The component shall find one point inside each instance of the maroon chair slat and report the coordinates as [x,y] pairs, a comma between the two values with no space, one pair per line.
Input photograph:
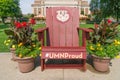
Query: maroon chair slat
[63,33]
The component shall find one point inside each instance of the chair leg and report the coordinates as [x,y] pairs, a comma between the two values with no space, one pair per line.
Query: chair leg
[84,64]
[42,64]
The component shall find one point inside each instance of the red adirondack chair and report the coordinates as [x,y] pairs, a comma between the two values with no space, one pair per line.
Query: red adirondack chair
[62,38]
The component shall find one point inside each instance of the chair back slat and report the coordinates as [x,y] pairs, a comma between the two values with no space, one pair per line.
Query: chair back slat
[62,23]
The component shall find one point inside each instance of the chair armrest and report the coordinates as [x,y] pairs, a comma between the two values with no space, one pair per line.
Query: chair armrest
[41,30]
[86,32]
[85,35]
[40,33]
[85,29]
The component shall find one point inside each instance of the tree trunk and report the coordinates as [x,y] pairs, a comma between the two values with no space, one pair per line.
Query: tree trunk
[117,18]
[3,20]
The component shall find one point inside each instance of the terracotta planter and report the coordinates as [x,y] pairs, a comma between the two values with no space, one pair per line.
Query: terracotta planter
[101,64]
[25,64]
[12,50]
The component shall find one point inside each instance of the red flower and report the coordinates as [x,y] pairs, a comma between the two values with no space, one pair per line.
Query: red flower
[32,21]
[24,24]
[109,21]
[18,25]
[95,25]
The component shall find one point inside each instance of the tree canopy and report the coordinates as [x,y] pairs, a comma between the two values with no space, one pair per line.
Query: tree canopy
[9,8]
[107,8]
[95,9]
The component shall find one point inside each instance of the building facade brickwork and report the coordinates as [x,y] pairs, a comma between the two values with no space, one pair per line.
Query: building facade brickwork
[39,6]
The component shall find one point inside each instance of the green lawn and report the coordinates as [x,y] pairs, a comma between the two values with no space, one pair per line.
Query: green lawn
[86,25]
[39,25]
[3,48]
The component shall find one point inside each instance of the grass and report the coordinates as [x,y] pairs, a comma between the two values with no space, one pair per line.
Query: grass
[39,26]
[3,48]
[86,25]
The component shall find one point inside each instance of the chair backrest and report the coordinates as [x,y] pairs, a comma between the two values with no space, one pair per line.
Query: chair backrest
[62,23]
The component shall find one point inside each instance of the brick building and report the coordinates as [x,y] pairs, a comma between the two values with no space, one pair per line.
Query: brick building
[39,6]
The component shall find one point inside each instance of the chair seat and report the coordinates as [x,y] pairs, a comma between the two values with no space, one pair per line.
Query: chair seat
[63,53]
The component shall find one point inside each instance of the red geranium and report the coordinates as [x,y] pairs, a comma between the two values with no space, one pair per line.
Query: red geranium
[18,25]
[109,21]
[24,24]
[95,25]
[32,21]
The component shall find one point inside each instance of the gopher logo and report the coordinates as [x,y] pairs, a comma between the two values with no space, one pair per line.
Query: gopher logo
[62,15]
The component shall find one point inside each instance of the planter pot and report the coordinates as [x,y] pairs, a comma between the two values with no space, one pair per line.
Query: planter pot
[12,50]
[25,64]
[101,64]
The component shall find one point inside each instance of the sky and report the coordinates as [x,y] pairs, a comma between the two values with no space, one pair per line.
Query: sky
[25,6]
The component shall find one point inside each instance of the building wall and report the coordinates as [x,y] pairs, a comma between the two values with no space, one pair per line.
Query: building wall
[39,6]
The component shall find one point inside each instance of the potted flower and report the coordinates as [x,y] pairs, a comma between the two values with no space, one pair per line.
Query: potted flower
[26,45]
[9,43]
[26,54]
[104,44]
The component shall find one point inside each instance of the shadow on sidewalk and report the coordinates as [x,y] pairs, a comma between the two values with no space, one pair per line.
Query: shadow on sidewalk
[89,65]
[37,61]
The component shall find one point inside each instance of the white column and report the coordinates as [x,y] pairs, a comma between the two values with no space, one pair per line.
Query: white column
[84,11]
[37,11]
[42,10]
[89,11]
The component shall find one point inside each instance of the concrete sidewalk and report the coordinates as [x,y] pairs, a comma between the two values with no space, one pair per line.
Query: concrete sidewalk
[9,71]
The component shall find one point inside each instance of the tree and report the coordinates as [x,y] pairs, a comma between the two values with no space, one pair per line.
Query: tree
[110,8]
[95,9]
[94,5]
[106,8]
[9,8]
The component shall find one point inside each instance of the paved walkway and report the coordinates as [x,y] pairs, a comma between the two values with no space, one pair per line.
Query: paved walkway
[9,71]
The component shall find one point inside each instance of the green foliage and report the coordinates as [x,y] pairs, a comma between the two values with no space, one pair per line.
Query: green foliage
[104,40]
[82,12]
[108,50]
[110,8]
[18,35]
[105,8]
[9,8]
[23,39]
[105,33]
[96,11]
[3,36]
[28,50]
[28,15]
[94,5]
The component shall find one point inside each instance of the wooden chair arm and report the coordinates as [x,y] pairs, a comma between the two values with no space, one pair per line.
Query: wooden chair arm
[85,29]
[85,35]
[40,33]
[41,30]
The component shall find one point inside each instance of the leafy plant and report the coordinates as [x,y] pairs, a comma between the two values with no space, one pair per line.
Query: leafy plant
[23,39]
[21,32]
[104,40]
[28,50]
